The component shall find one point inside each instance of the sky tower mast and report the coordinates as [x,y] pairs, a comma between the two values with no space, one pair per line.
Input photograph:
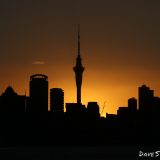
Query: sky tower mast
[78,69]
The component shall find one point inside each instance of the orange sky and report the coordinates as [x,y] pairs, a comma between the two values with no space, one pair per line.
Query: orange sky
[119,46]
[111,87]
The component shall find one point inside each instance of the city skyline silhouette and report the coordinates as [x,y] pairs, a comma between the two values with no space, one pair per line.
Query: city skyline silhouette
[78,69]
[119,46]
[27,120]
[79,79]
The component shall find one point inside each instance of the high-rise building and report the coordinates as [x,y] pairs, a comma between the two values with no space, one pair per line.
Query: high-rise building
[146,97]
[10,101]
[123,112]
[132,104]
[93,110]
[78,69]
[38,93]
[75,110]
[57,100]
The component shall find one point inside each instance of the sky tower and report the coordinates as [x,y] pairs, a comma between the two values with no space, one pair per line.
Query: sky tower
[78,69]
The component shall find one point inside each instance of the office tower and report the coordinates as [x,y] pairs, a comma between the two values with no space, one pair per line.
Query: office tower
[145,98]
[38,93]
[57,100]
[10,101]
[132,104]
[93,110]
[78,69]
[123,111]
[75,110]
[156,103]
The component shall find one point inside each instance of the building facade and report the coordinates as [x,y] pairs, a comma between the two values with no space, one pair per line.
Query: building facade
[57,100]
[38,91]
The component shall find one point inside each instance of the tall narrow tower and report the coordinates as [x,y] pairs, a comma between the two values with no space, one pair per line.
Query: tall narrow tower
[78,69]
[38,93]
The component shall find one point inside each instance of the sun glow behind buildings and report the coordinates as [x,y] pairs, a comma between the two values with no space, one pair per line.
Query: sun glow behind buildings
[119,47]
[111,85]
[114,93]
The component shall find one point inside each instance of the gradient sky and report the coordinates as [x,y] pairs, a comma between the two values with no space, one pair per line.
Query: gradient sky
[119,46]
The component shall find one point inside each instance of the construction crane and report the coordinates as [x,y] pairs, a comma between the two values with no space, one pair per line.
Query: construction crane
[104,105]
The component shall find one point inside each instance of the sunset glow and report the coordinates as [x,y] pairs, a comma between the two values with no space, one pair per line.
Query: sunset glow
[119,48]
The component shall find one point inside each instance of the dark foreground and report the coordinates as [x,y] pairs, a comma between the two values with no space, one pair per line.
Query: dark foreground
[45,137]
[75,153]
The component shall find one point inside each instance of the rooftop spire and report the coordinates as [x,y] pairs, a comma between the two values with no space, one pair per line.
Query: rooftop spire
[78,69]
[78,39]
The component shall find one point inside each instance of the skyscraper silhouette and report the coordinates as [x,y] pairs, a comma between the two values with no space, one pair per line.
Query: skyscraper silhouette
[57,100]
[38,93]
[10,101]
[132,104]
[78,69]
[145,95]
[93,110]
